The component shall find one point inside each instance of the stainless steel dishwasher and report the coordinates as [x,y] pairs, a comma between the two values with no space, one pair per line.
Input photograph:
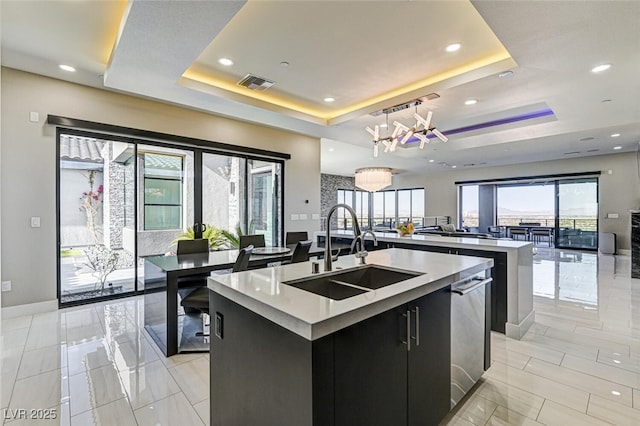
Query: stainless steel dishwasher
[468,317]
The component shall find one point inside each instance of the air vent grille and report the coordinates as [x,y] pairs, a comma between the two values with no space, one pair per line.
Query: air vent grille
[254,82]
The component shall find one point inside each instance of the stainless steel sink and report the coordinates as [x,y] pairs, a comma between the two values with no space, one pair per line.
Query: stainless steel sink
[340,285]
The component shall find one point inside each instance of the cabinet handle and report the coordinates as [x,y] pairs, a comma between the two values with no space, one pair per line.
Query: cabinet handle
[417,326]
[408,341]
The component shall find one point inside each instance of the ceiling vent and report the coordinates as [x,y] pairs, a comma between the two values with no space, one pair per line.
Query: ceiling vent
[254,82]
[409,104]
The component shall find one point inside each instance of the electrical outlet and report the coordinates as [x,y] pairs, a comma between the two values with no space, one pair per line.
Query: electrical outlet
[6,285]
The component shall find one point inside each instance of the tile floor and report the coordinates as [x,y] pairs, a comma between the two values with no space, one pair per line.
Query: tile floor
[578,365]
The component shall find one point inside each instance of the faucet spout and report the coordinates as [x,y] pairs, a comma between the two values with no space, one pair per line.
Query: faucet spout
[327,246]
[362,253]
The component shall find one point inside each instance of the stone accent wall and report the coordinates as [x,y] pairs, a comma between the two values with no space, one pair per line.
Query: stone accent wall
[329,185]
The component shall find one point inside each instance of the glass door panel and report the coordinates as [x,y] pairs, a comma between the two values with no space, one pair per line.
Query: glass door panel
[96,254]
[165,200]
[264,201]
[223,192]
[577,225]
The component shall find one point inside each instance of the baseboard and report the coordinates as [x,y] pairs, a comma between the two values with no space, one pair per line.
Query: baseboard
[516,331]
[30,309]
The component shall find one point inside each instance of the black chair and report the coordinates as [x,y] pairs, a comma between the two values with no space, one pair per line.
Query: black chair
[300,253]
[516,233]
[256,240]
[189,248]
[198,299]
[496,231]
[200,245]
[294,237]
[537,234]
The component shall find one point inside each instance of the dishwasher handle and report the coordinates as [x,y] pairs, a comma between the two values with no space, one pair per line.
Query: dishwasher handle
[466,290]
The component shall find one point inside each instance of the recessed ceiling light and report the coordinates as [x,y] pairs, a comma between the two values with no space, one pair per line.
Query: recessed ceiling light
[616,393]
[431,161]
[453,47]
[604,101]
[615,135]
[225,61]
[68,68]
[617,361]
[284,64]
[617,147]
[601,68]
[505,74]
[588,138]
[383,125]
[453,167]
[329,99]
[471,102]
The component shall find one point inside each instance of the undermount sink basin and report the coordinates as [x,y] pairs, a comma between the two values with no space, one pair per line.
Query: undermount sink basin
[340,285]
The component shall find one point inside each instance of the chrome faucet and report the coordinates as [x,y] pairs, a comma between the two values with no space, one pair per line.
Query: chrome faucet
[327,245]
[362,253]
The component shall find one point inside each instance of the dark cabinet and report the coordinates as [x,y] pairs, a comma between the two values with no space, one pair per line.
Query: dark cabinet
[390,369]
[394,368]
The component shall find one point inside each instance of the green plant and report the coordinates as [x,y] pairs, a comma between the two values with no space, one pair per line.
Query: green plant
[217,239]
[234,239]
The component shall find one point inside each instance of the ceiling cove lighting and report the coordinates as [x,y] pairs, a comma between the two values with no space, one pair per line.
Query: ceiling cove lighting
[373,179]
[617,147]
[471,102]
[402,133]
[615,135]
[67,68]
[225,61]
[600,68]
[329,99]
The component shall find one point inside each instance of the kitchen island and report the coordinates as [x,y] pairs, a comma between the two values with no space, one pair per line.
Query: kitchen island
[512,288]
[283,355]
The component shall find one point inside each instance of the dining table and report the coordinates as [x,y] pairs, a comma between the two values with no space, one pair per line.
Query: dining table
[174,333]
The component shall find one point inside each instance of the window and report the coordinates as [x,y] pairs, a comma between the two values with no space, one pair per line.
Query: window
[362,208]
[345,196]
[469,208]
[162,191]
[411,206]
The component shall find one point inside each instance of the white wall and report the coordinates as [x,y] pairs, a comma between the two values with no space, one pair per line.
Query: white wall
[27,179]
[619,191]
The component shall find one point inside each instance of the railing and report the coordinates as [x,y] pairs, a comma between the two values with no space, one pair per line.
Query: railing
[346,223]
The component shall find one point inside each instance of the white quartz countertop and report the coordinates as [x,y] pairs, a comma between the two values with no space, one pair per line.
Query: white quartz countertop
[312,316]
[502,245]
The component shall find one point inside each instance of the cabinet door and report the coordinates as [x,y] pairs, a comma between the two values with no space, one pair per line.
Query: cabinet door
[429,373]
[371,371]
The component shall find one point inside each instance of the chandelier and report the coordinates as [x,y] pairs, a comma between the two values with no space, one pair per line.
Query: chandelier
[402,133]
[373,179]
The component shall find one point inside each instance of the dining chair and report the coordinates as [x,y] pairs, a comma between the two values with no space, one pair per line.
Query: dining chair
[294,237]
[537,234]
[300,253]
[198,299]
[200,245]
[256,240]
[516,233]
[190,248]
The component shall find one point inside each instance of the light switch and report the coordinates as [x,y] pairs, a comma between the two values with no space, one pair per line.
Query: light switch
[303,216]
[35,222]
[34,117]
[295,217]
[613,216]
[315,216]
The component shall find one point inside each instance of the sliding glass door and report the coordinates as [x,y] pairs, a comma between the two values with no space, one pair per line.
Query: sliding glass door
[96,258]
[577,225]
[121,200]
